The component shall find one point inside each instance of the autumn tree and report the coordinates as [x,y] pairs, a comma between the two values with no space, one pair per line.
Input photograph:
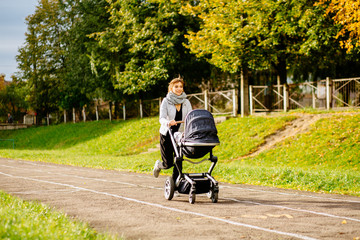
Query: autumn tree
[347,14]
[13,99]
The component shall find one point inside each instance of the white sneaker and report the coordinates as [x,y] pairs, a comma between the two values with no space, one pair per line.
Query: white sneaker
[157,169]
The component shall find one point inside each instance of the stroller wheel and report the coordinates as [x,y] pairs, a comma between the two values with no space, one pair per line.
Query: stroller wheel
[192,196]
[169,188]
[213,194]
[214,197]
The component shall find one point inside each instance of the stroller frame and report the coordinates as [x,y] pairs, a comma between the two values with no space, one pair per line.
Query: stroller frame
[192,183]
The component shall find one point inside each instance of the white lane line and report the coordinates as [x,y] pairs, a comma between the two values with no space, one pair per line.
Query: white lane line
[44,192]
[231,199]
[84,169]
[294,209]
[86,178]
[292,194]
[165,207]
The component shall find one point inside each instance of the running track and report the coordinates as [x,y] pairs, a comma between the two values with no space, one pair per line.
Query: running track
[133,205]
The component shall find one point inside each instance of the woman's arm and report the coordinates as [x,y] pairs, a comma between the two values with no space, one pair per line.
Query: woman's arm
[188,107]
[163,116]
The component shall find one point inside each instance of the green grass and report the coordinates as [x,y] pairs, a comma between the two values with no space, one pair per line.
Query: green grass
[116,137]
[241,136]
[333,144]
[319,111]
[30,220]
[325,159]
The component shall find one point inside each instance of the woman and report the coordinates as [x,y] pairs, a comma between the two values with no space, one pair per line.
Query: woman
[173,108]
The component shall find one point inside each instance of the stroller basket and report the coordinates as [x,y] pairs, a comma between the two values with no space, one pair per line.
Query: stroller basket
[202,186]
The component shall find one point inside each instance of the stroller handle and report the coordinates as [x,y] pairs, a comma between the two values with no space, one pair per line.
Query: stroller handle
[177,122]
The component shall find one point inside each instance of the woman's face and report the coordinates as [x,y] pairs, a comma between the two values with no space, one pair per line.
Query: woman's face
[177,88]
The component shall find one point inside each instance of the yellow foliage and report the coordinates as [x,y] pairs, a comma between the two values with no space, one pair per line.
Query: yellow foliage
[347,13]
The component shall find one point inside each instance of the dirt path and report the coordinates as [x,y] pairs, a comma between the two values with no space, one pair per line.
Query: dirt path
[133,205]
[301,124]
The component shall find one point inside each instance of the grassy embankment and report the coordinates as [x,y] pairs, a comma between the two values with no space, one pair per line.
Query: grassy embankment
[325,159]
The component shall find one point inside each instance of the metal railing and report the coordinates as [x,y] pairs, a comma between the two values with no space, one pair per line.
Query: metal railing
[218,103]
[323,94]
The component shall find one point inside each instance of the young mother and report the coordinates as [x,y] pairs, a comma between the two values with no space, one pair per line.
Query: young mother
[173,108]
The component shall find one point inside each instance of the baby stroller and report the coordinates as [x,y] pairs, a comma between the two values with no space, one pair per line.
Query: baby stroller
[198,139]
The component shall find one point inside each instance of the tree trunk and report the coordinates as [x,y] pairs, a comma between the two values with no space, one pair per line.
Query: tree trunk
[243,94]
[116,110]
[39,117]
[281,70]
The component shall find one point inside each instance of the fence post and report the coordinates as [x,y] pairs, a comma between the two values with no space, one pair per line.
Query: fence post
[84,115]
[74,115]
[206,99]
[110,111]
[64,116]
[285,97]
[242,96]
[124,112]
[110,106]
[278,84]
[47,119]
[97,112]
[141,109]
[251,99]
[328,93]
[313,98]
[234,103]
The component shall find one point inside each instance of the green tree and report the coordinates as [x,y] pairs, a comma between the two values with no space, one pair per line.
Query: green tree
[41,58]
[80,85]
[145,43]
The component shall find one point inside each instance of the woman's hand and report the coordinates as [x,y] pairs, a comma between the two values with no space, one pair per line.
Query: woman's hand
[172,123]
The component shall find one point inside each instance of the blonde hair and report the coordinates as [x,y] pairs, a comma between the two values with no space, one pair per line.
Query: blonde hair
[174,81]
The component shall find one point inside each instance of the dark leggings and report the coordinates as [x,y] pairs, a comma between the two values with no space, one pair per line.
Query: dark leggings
[167,155]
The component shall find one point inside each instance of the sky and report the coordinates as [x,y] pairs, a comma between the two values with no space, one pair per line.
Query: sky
[12,32]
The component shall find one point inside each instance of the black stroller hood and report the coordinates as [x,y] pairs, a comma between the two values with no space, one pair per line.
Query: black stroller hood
[200,127]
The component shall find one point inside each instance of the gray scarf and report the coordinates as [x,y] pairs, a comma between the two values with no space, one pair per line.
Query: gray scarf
[175,99]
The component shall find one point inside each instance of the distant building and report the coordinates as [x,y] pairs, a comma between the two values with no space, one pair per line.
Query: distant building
[3,82]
